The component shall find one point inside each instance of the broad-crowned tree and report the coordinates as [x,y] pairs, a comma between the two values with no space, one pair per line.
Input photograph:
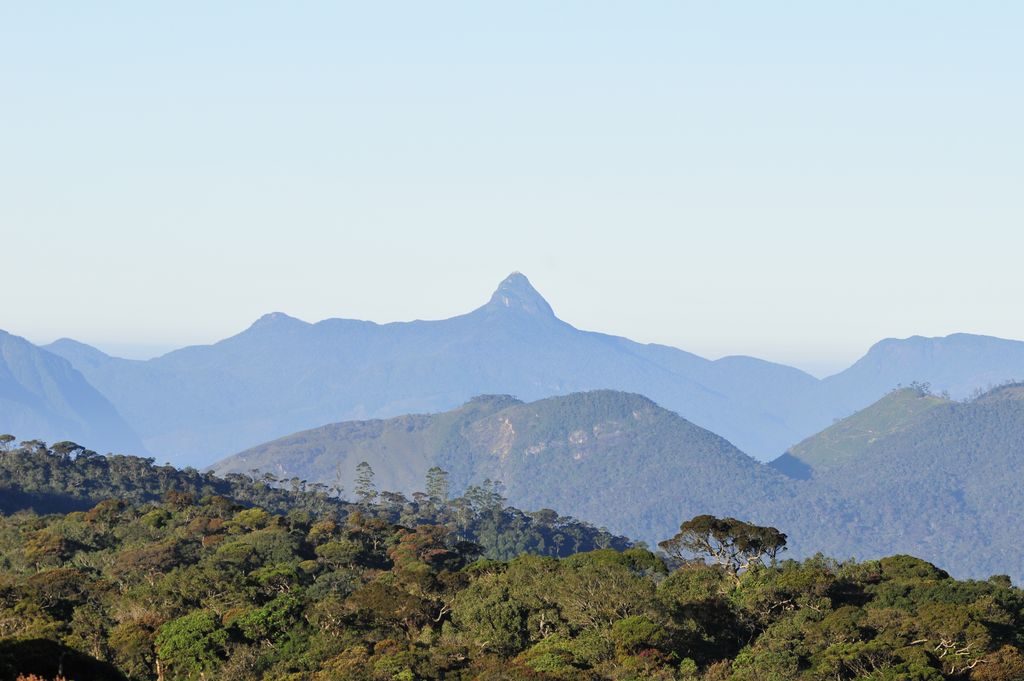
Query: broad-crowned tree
[732,543]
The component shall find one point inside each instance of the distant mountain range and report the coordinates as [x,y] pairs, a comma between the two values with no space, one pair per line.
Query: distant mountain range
[912,473]
[283,375]
[42,395]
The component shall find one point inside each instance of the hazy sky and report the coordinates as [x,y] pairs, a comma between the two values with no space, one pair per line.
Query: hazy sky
[790,180]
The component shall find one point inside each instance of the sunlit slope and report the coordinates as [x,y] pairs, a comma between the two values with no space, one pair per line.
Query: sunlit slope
[847,438]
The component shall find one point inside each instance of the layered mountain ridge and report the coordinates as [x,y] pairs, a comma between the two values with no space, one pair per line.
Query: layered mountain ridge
[282,375]
[43,395]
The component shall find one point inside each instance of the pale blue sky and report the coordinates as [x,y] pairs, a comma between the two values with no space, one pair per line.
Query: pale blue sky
[789,180]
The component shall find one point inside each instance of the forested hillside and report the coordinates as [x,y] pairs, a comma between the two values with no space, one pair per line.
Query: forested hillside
[913,473]
[845,441]
[615,458]
[174,581]
[939,477]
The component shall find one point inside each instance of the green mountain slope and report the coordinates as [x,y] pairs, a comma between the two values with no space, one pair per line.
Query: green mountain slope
[614,458]
[847,438]
[937,477]
[912,473]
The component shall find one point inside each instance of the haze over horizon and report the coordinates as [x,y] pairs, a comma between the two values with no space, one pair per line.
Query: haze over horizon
[819,368]
[789,183]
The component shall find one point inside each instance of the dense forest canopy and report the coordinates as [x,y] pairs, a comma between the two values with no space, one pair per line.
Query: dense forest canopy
[182,575]
[67,477]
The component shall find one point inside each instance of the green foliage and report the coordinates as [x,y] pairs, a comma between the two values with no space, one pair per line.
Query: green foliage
[36,477]
[880,481]
[636,633]
[191,644]
[732,543]
[437,485]
[886,477]
[566,452]
[195,585]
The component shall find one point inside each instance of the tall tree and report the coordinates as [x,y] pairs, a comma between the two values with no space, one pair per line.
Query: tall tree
[437,485]
[366,491]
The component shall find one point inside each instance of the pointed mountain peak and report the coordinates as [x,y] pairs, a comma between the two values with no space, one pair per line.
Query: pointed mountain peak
[516,293]
[276,320]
